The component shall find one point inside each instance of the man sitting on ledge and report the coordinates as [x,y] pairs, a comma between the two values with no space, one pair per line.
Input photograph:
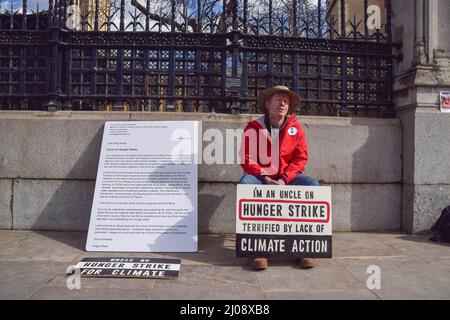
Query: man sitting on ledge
[276,126]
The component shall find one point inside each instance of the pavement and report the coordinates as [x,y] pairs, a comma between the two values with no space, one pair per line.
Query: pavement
[33,265]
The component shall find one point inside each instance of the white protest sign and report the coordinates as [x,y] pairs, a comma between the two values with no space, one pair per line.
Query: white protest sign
[292,221]
[444,98]
[145,196]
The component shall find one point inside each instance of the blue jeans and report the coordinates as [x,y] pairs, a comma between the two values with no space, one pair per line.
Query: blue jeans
[299,180]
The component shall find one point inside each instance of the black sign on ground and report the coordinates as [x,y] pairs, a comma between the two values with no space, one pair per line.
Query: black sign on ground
[150,268]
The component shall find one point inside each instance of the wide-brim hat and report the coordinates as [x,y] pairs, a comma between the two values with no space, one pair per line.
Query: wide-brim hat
[294,99]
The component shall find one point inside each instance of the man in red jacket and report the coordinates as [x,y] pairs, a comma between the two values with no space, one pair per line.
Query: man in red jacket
[274,149]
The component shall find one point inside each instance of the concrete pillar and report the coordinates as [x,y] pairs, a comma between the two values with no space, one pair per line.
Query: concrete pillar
[423,28]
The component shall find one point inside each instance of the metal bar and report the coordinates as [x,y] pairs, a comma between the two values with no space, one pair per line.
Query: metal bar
[270,55]
[199,16]
[366,18]
[244,77]
[343,20]
[24,14]
[60,13]
[147,16]
[55,19]
[295,58]
[37,16]
[94,68]
[295,18]
[172,16]
[235,15]
[68,87]
[270,17]
[389,20]
[319,18]
[344,111]
[122,15]
[224,16]
[147,102]
[11,17]
[224,56]
[23,62]
[119,70]
[171,90]
[235,42]
[96,15]
[64,13]
[390,72]
[53,104]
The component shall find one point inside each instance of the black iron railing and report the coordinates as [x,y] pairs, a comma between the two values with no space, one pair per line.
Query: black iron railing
[205,55]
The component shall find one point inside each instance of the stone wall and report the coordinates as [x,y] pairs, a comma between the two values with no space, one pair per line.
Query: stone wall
[421,26]
[49,163]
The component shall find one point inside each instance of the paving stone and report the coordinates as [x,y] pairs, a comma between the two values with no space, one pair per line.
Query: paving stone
[19,280]
[13,236]
[89,294]
[105,283]
[45,246]
[419,247]
[213,249]
[34,264]
[209,282]
[328,276]
[404,278]
[359,294]
[361,245]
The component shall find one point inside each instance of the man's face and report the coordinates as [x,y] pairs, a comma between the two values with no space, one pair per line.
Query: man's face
[278,104]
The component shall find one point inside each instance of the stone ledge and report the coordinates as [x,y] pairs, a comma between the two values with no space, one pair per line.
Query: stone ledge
[341,150]
[66,206]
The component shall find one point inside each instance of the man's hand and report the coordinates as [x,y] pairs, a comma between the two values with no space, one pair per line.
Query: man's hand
[270,181]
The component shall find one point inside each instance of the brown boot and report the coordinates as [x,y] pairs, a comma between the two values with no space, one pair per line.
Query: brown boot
[307,263]
[258,263]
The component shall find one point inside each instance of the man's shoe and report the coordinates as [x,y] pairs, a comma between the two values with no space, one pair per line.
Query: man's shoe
[258,263]
[307,263]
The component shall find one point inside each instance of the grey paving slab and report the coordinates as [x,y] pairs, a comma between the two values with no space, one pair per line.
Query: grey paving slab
[14,235]
[347,245]
[328,276]
[404,278]
[212,250]
[358,294]
[19,280]
[417,246]
[209,282]
[89,294]
[45,246]
[103,283]
[33,265]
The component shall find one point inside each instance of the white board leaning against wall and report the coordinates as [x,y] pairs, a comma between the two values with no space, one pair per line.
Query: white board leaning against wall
[145,196]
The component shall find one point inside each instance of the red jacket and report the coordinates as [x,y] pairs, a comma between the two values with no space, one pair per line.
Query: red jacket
[293,150]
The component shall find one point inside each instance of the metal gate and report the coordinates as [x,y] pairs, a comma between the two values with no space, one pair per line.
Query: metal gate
[197,55]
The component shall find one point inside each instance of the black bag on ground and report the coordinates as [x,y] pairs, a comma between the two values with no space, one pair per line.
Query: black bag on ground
[441,228]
